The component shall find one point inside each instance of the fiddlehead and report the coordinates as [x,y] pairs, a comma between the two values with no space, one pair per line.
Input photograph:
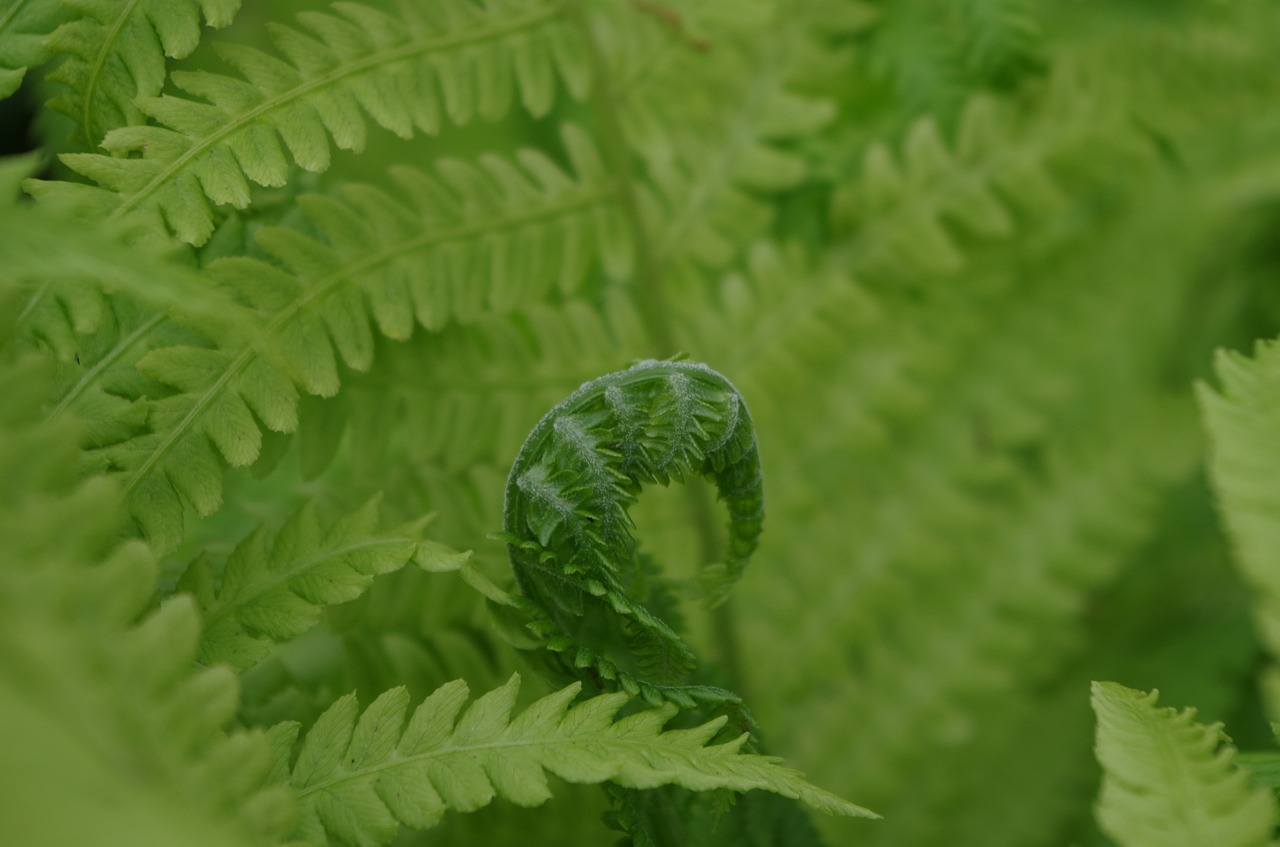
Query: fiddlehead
[569,535]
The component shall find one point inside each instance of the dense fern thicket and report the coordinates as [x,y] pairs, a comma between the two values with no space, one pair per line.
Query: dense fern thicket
[288,289]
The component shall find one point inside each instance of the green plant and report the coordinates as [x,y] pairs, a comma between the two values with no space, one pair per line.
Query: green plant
[284,289]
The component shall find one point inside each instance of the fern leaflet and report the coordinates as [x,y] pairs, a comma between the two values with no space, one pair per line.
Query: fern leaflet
[1170,781]
[358,776]
[275,591]
[115,53]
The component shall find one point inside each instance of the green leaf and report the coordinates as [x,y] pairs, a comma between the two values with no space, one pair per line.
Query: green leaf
[359,776]
[1170,781]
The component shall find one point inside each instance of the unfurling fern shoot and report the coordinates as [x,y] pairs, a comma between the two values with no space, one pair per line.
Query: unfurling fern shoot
[569,534]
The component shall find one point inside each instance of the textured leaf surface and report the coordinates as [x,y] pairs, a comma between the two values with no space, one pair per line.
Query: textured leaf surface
[360,775]
[1170,781]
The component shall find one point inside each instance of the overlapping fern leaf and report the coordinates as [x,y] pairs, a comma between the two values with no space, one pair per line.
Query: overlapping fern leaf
[1169,780]
[111,725]
[360,775]
[115,53]
[275,590]
[405,71]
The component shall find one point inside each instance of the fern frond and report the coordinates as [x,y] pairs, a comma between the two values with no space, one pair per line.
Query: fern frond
[1241,419]
[377,256]
[360,775]
[114,734]
[24,27]
[273,591]
[580,470]
[1171,781]
[468,240]
[115,53]
[402,71]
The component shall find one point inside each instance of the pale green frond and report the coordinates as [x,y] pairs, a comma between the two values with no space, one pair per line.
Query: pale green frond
[359,776]
[273,590]
[1169,781]
[115,53]
[1242,419]
[455,59]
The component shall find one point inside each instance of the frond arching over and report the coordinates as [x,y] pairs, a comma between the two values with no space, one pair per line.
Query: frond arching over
[115,53]
[1169,781]
[359,776]
[454,58]
[580,470]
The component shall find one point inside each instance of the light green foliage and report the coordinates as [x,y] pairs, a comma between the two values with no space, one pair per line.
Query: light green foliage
[358,774]
[291,276]
[1169,780]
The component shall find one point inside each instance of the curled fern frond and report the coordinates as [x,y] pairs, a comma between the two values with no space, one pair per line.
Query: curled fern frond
[458,58]
[582,467]
[359,776]
[272,591]
[115,53]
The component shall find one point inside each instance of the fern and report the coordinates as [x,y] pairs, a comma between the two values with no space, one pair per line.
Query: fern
[116,53]
[1167,780]
[459,58]
[105,694]
[359,775]
[223,396]
[581,469]
[966,260]
[1239,419]
[277,591]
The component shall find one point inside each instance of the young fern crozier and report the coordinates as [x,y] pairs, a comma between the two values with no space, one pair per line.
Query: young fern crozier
[568,530]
